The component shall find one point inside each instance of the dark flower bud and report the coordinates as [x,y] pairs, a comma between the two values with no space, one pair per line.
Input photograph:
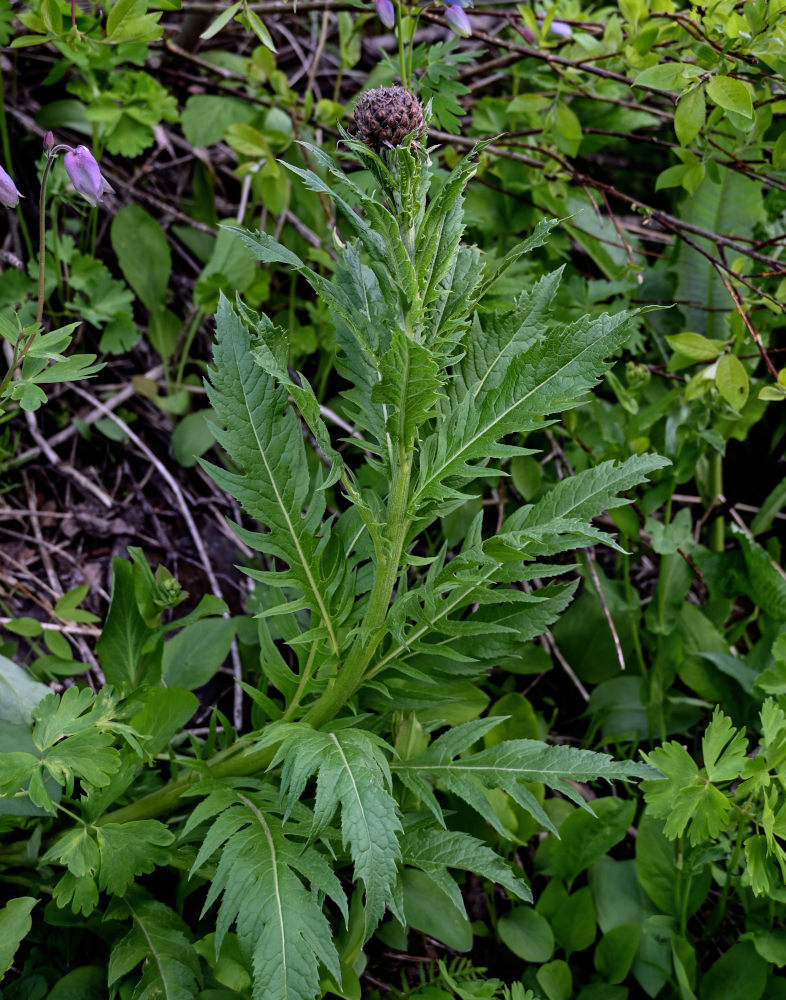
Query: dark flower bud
[384,117]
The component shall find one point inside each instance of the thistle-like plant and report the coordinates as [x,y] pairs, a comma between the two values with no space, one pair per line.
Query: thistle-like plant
[440,396]
[354,769]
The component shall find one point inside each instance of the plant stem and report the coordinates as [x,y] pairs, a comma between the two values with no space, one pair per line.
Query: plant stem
[50,159]
[400,39]
[6,144]
[717,526]
[720,908]
[350,675]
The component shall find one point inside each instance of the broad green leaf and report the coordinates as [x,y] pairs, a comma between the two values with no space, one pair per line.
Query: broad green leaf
[739,974]
[429,910]
[733,204]
[732,381]
[527,934]
[696,347]
[731,94]
[583,838]
[658,876]
[206,117]
[574,923]
[15,924]
[122,646]
[556,980]
[19,693]
[616,950]
[87,982]
[689,116]
[142,252]
[197,652]
[663,76]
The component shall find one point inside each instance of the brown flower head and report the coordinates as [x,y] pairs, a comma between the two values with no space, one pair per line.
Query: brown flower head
[384,117]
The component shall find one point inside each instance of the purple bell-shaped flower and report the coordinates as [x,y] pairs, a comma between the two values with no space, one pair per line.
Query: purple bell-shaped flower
[458,20]
[386,12]
[85,174]
[9,196]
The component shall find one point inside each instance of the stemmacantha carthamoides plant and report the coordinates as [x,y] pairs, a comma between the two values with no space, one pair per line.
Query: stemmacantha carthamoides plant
[367,631]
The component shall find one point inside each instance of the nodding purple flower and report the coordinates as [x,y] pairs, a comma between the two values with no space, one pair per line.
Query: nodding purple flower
[85,174]
[9,196]
[385,12]
[558,28]
[458,20]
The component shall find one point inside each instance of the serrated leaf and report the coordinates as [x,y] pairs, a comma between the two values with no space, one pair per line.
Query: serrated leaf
[410,384]
[507,766]
[552,374]
[263,437]
[159,939]
[352,773]
[434,851]
[280,923]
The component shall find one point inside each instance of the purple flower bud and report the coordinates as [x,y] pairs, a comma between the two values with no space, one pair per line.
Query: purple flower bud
[82,168]
[458,20]
[385,12]
[49,140]
[9,196]
[560,29]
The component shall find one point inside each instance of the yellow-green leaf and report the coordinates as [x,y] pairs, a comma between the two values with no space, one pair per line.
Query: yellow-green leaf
[731,94]
[689,116]
[732,381]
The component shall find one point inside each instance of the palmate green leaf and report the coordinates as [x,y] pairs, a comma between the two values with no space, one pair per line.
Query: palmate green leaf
[506,766]
[353,774]
[279,920]
[434,851]
[686,799]
[107,857]
[160,939]
[263,437]
[552,374]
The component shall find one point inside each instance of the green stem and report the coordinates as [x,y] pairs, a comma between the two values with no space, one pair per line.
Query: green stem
[305,677]
[50,159]
[6,143]
[717,526]
[402,62]
[720,909]
[350,675]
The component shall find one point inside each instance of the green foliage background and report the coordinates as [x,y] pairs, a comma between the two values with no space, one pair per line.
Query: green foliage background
[508,527]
